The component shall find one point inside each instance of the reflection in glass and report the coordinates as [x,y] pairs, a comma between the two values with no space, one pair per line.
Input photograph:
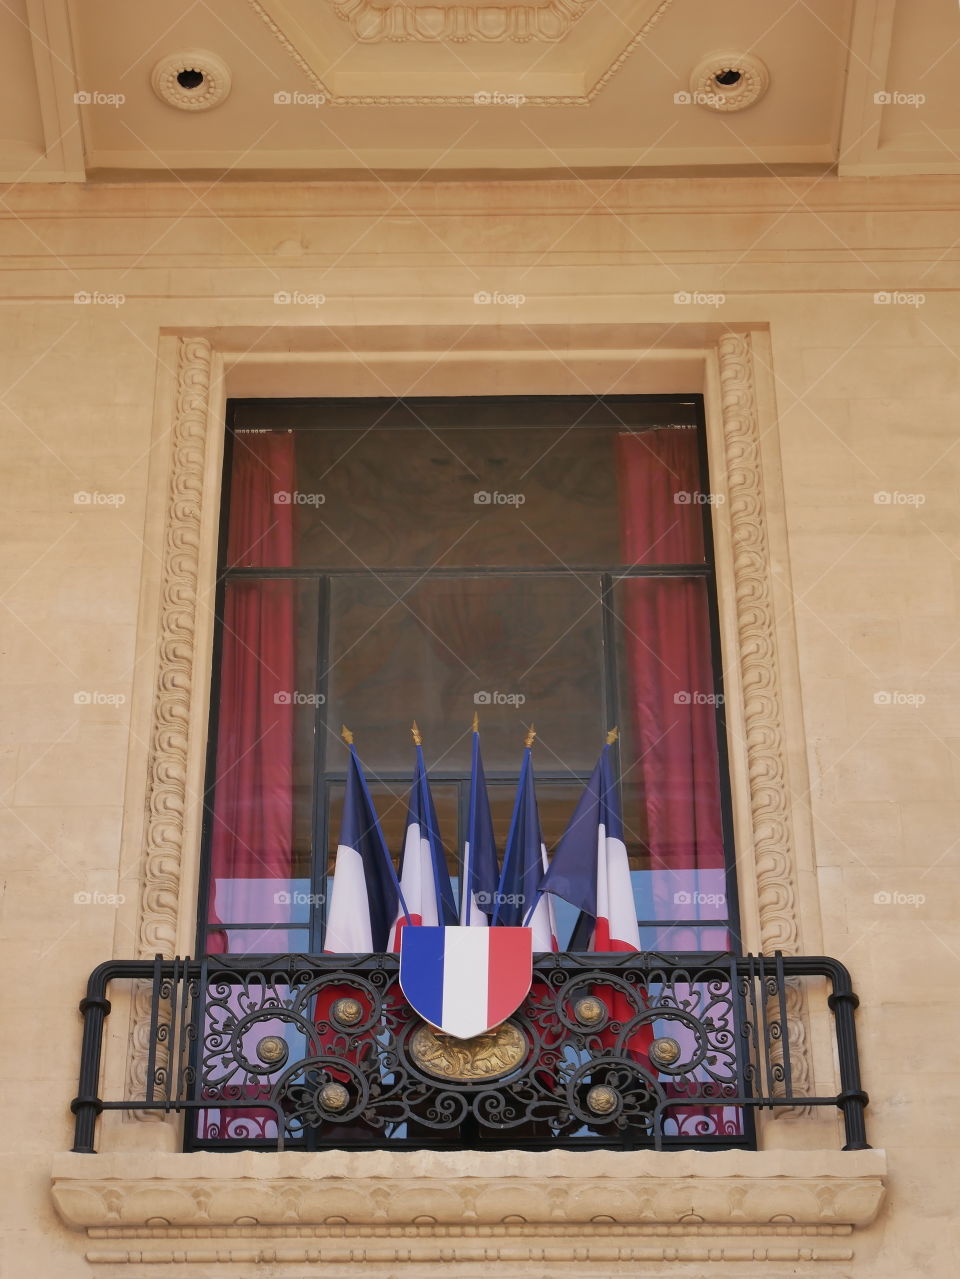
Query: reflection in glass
[513,649]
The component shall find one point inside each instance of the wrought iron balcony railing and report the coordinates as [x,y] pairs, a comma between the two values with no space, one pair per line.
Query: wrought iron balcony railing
[621,1051]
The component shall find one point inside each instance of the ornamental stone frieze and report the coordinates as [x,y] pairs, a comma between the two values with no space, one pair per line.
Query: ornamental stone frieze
[513,1206]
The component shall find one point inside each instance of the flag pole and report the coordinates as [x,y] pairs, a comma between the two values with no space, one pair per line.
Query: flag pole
[528,744]
[466,886]
[348,738]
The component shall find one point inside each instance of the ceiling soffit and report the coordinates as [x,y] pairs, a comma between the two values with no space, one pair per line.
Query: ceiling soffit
[548,52]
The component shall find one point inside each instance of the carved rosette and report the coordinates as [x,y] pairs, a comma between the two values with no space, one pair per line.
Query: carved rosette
[774,855]
[167,768]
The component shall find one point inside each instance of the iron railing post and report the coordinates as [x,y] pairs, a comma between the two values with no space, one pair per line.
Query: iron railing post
[851,1099]
[87,1105]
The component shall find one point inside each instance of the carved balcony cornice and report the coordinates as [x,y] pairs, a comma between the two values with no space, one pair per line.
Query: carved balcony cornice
[426,1205]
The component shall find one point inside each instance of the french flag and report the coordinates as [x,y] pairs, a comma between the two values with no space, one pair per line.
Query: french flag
[480,873]
[366,895]
[524,864]
[466,980]
[427,894]
[590,868]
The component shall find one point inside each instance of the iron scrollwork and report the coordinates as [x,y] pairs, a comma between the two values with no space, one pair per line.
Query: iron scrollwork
[598,1048]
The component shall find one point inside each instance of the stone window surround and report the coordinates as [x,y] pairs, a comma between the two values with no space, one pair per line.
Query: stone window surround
[776,869]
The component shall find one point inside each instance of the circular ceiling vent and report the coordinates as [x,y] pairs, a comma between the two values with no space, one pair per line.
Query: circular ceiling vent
[729,81]
[191,81]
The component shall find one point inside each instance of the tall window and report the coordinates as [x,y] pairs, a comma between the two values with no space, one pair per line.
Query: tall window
[542,560]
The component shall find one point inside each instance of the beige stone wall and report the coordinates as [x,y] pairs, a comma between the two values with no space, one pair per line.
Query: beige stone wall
[867,396]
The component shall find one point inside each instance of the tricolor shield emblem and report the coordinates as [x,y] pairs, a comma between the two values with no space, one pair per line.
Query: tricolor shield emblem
[465,980]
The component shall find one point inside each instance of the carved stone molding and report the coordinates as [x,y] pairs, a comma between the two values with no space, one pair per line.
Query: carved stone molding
[421,1206]
[459,22]
[425,28]
[773,840]
[169,739]
[511,1258]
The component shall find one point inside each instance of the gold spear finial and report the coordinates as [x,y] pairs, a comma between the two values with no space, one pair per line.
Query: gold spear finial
[528,740]
[613,735]
[346,734]
[417,735]
[476,722]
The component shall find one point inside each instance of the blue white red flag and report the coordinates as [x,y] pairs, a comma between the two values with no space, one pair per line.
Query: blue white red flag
[465,981]
[424,878]
[524,863]
[366,894]
[478,886]
[590,868]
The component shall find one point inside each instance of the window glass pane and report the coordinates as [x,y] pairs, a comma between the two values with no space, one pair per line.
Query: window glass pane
[264,941]
[260,851]
[523,482]
[679,937]
[516,650]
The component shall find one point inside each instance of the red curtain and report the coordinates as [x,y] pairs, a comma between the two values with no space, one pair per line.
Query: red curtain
[252,836]
[672,698]
[670,676]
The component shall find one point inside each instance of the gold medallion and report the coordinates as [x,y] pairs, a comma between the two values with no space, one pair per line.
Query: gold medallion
[487,1056]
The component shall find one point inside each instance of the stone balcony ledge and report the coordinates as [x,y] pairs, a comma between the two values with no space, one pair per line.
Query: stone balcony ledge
[422,1206]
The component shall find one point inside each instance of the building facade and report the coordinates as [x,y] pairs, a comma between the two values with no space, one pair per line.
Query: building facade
[815,318]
